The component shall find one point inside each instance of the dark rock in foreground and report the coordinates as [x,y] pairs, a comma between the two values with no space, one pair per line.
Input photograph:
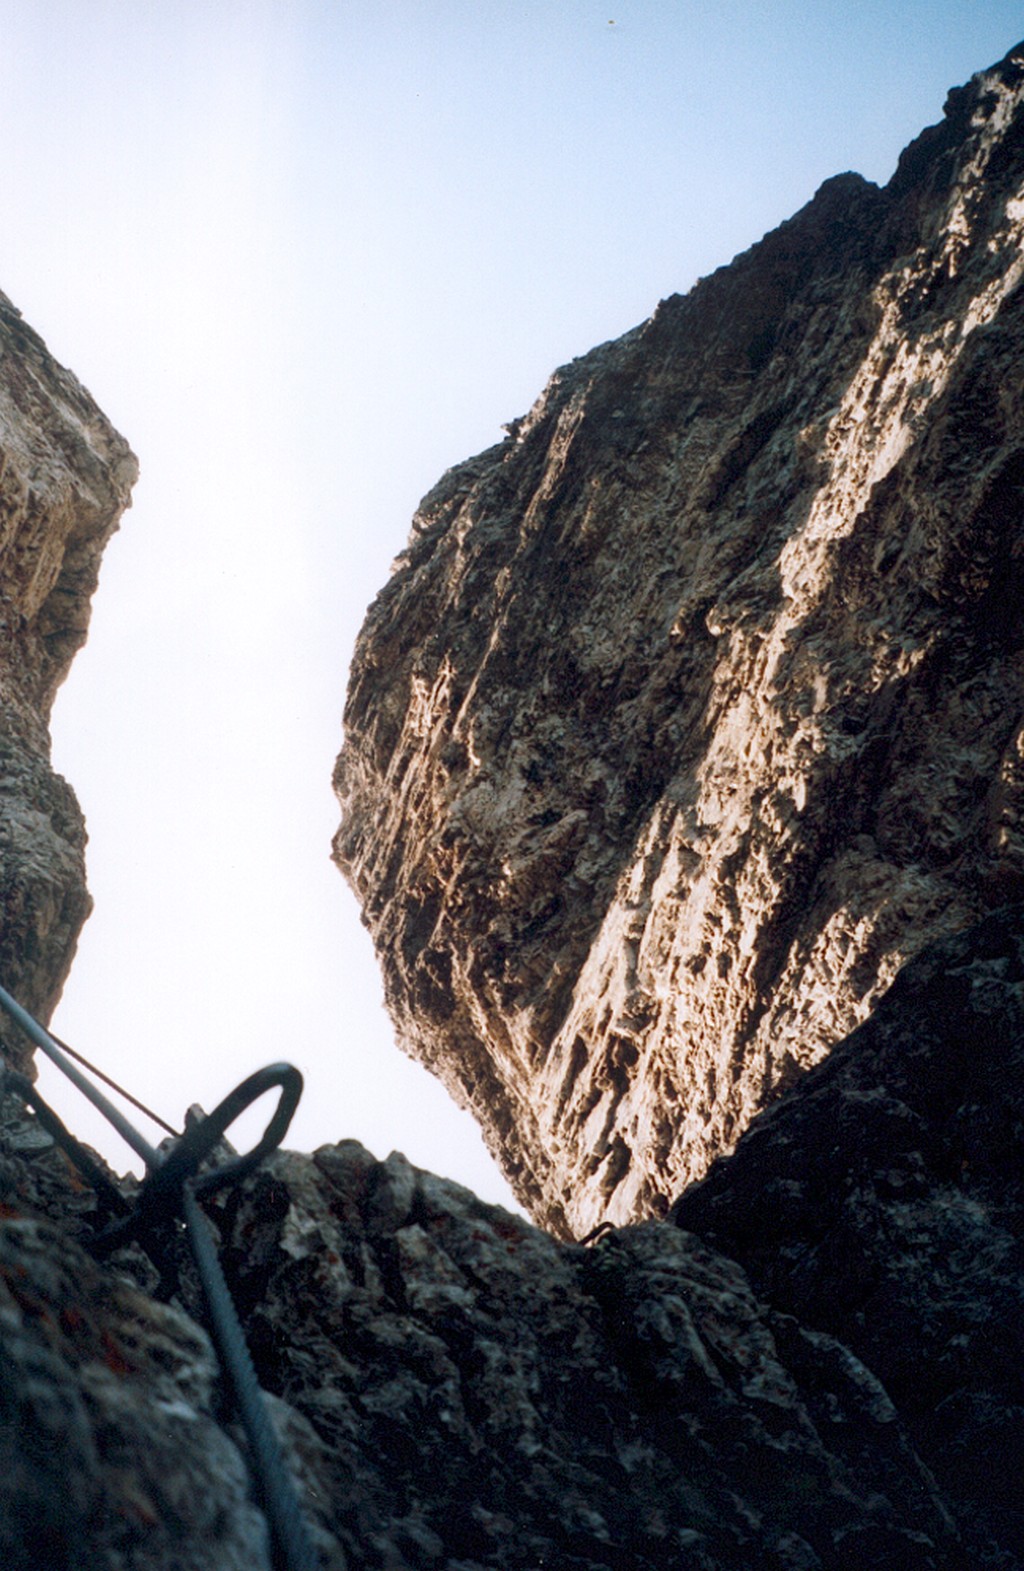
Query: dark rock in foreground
[882,1202]
[458,1391]
[821,1367]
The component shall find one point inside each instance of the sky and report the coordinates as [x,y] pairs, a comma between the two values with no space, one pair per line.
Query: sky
[306,255]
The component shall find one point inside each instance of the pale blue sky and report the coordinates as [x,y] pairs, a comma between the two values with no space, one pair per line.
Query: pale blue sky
[306,255]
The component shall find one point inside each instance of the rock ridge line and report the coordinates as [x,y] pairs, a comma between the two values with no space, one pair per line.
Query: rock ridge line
[694,708]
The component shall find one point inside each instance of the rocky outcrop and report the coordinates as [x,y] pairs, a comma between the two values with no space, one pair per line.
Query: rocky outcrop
[813,1365]
[110,1451]
[65,479]
[882,1201]
[456,1391]
[491,1398]
[695,707]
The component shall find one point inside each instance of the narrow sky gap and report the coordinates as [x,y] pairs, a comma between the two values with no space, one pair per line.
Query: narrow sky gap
[306,257]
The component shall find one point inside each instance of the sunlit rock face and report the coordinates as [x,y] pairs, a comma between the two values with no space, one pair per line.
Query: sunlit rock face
[810,1365]
[695,706]
[65,479]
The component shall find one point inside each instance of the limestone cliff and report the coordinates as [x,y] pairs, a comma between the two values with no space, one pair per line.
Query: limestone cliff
[814,1364]
[695,707]
[455,1390]
[65,479]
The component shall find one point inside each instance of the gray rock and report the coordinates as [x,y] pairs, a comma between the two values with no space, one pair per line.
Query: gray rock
[694,708]
[110,1454]
[882,1201]
[486,1395]
[65,479]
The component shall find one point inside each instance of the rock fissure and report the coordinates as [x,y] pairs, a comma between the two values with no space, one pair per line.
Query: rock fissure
[691,713]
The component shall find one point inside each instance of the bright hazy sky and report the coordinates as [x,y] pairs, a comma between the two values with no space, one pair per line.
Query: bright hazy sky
[306,255]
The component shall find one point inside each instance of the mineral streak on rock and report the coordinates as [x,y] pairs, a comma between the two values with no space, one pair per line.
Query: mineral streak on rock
[65,479]
[695,706]
[454,1389]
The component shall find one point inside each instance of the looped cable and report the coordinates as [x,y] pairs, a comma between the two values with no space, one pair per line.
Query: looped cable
[160,1196]
[204,1135]
[170,1190]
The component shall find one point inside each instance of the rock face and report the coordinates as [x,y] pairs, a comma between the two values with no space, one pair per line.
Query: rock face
[813,1366]
[814,1363]
[456,1391]
[882,1201]
[65,479]
[110,1451]
[493,1398]
[694,708]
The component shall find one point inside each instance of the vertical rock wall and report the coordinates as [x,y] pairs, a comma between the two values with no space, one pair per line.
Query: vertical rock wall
[695,707]
[455,1390]
[65,479]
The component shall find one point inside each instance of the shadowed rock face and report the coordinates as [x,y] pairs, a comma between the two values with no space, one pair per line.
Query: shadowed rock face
[882,1201]
[65,479]
[817,1368]
[815,1363]
[694,708]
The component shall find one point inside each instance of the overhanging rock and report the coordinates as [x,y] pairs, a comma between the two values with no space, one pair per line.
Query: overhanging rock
[695,707]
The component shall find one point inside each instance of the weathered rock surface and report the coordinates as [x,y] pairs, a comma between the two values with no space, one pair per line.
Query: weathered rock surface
[491,1398]
[457,1391]
[65,479]
[695,707]
[815,1364]
[882,1201]
[818,1366]
[109,1451]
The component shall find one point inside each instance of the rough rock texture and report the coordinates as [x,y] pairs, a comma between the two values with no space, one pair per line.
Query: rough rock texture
[882,1201]
[491,1398]
[695,707]
[65,479]
[109,1453]
[818,1368]
[456,1390]
[815,1364]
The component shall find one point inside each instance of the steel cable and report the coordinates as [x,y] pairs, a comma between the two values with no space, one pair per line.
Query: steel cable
[169,1191]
